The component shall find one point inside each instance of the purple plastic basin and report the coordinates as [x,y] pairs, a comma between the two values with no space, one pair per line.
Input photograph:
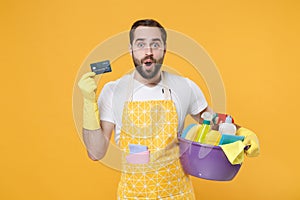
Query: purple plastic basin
[206,161]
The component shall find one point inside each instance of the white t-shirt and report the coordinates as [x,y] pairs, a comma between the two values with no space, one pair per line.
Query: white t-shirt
[186,95]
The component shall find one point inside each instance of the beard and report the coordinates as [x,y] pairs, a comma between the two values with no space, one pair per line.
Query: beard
[148,74]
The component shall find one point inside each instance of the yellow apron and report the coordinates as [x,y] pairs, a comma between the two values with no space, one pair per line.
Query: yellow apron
[152,124]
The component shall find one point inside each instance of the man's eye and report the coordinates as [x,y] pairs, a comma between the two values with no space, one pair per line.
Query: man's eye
[140,45]
[155,45]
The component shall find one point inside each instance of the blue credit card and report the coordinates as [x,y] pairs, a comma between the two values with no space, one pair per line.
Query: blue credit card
[101,67]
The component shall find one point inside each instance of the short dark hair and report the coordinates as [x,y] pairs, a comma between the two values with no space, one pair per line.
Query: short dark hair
[149,23]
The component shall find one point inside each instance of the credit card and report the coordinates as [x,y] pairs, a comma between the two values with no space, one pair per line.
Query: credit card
[101,67]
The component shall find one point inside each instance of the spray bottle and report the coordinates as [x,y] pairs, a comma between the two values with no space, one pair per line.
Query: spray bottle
[207,117]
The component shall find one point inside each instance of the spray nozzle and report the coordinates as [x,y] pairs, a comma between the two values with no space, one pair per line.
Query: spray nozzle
[207,116]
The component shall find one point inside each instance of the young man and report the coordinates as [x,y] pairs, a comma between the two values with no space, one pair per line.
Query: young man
[146,108]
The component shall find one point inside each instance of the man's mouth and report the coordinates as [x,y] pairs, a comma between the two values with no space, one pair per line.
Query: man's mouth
[148,62]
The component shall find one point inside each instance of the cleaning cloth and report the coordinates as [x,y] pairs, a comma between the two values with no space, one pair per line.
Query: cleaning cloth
[234,152]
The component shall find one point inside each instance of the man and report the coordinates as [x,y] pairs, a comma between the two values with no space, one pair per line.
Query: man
[147,109]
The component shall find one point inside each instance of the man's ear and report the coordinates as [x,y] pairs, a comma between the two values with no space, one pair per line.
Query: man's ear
[130,49]
[165,48]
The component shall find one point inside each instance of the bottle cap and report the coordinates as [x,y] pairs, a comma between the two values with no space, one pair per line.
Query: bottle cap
[228,119]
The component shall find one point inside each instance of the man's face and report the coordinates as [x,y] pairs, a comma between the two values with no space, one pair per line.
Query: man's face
[148,51]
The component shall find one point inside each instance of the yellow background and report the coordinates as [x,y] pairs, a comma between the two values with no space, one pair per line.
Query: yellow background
[255,45]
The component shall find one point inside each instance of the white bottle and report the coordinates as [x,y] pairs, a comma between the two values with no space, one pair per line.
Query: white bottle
[228,127]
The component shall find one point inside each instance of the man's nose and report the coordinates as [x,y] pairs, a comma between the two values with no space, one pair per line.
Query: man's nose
[148,51]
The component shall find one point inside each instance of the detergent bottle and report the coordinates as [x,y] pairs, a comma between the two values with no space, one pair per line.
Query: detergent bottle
[228,127]
[205,128]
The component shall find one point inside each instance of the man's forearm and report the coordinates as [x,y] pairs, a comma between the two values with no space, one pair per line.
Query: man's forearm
[96,143]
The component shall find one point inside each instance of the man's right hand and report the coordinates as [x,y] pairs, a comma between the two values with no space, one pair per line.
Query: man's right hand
[88,86]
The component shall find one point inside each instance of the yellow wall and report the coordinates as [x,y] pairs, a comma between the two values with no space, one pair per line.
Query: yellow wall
[255,45]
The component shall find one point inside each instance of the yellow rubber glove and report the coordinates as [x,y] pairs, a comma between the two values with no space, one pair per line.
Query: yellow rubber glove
[250,140]
[88,88]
